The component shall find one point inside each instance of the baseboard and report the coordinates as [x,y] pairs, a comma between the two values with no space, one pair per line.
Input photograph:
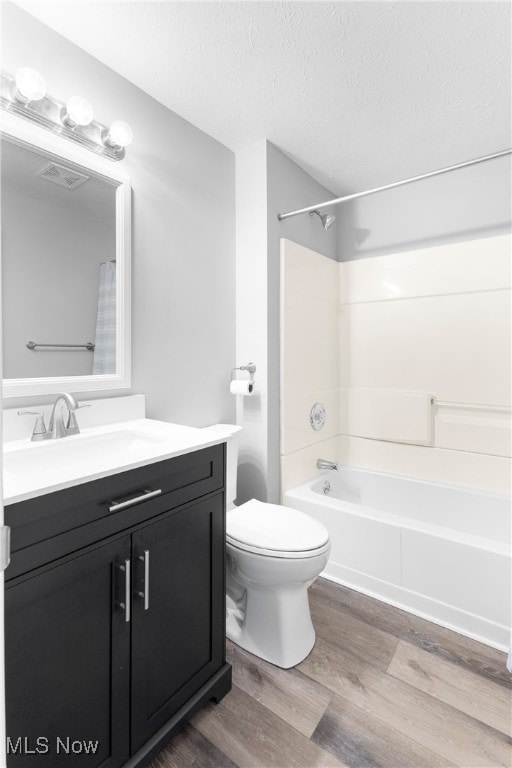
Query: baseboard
[448,616]
[216,688]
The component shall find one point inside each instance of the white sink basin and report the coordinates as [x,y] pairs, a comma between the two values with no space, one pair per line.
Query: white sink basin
[32,468]
[55,453]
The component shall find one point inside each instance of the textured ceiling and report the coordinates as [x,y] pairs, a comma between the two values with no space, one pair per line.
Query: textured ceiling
[358,93]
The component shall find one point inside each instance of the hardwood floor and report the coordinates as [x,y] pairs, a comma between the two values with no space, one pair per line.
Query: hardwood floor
[381,689]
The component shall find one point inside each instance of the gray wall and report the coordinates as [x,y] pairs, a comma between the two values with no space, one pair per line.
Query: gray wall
[268,183]
[183,229]
[462,205]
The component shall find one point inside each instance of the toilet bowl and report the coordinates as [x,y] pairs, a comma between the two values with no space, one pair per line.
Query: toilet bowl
[274,553]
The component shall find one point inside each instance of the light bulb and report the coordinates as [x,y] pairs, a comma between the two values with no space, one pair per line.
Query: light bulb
[30,86]
[79,111]
[120,134]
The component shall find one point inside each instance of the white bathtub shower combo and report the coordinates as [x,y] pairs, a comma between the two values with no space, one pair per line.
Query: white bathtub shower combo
[439,551]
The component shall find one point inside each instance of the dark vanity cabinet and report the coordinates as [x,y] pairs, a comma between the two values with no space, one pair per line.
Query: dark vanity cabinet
[115,614]
[67,652]
[174,650]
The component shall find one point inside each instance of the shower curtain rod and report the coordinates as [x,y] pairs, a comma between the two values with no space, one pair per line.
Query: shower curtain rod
[338,200]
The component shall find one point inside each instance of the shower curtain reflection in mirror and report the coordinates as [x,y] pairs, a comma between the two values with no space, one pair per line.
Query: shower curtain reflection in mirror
[105,339]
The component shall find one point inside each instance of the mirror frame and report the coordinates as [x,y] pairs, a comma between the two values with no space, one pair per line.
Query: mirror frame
[23,133]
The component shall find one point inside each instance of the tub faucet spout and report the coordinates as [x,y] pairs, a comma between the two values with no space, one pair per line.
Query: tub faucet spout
[326,464]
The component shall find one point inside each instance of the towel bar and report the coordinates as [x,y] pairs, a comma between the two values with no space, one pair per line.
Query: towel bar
[90,346]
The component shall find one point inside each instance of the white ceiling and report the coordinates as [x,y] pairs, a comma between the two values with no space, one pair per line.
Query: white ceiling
[358,93]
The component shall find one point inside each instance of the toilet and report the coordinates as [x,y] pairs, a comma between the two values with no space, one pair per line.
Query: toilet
[274,553]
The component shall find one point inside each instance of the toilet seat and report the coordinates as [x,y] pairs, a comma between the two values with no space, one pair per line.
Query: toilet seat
[275,531]
[283,554]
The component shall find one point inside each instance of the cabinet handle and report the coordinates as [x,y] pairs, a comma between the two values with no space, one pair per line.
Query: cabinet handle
[145,594]
[117,505]
[127,596]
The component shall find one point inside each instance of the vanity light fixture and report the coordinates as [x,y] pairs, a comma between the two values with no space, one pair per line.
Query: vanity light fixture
[28,86]
[25,95]
[78,112]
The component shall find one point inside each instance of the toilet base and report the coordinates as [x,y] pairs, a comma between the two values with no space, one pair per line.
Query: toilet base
[274,624]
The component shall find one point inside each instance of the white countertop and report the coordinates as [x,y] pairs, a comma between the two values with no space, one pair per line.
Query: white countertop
[32,469]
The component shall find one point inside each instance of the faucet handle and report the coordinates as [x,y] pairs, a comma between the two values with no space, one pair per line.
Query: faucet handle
[39,432]
[72,427]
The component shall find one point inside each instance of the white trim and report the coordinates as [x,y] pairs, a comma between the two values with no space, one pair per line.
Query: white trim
[458,620]
[23,132]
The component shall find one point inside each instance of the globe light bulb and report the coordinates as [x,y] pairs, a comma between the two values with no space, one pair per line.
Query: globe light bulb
[120,134]
[78,111]
[30,86]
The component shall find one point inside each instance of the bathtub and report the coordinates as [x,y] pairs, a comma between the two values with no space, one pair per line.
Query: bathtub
[441,552]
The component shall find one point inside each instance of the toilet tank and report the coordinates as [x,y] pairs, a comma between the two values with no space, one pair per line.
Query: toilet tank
[231,431]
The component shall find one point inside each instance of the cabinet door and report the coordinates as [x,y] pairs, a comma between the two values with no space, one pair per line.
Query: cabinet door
[178,612]
[67,663]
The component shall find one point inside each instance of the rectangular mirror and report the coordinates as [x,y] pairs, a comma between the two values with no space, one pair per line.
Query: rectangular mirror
[65,265]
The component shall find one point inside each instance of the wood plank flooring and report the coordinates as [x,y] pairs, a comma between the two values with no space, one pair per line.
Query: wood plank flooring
[381,689]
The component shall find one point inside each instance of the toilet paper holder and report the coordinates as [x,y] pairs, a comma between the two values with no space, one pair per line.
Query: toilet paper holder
[250,368]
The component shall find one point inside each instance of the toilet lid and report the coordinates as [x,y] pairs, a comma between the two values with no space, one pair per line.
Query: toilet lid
[273,527]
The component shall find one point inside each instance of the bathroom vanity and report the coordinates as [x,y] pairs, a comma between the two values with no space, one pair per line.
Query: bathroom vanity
[115,606]
[115,593]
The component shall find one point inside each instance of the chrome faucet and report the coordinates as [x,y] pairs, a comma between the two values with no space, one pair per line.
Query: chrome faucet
[326,464]
[56,427]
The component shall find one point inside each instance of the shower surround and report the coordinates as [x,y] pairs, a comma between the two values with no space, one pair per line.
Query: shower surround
[410,355]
